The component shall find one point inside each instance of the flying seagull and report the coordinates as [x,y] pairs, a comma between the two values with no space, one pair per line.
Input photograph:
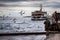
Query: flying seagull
[21,12]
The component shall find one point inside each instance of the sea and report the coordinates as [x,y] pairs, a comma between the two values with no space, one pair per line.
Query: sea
[15,22]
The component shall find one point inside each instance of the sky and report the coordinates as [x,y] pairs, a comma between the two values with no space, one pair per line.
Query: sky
[30,3]
[49,5]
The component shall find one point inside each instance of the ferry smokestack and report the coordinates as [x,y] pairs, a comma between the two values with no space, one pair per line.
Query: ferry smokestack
[40,7]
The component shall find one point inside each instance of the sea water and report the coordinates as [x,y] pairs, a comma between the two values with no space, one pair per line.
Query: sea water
[20,24]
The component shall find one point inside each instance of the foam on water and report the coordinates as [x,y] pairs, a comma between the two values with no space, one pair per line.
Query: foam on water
[22,25]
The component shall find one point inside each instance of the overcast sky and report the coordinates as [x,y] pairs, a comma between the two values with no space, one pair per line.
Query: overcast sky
[30,3]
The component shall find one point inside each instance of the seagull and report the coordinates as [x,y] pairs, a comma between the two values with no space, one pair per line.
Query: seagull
[22,12]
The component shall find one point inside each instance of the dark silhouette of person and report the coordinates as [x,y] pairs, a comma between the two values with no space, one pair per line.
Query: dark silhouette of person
[56,17]
[55,26]
[47,24]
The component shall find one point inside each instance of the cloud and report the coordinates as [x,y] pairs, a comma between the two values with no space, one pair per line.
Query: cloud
[22,4]
[19,0]
[53,4]
[53,0]
[32,3]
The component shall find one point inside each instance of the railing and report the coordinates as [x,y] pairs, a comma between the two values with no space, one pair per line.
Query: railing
[29,33]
